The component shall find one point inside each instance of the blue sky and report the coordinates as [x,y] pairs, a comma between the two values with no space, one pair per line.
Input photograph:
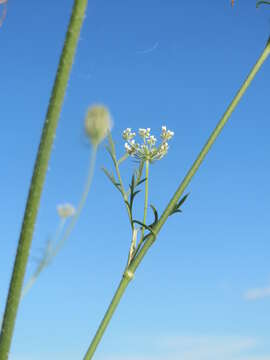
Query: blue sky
[202,291]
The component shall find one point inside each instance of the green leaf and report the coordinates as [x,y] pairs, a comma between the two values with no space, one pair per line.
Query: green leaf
[132,186]
[141,181]
[262,2]
[155,215]
[132,196]
[177,209]
[123,158]
[111,177]
[183,200]
[111,154]
[145,226]
[127,203]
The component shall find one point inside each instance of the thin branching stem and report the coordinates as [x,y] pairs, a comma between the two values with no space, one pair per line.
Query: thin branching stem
[80,206]
[130,270]
[44,261]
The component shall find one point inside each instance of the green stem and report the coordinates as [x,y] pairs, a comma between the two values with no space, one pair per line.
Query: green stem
[74,219]
[39,173]
[108,315]
[43,263]
[145,199]
[116,164]
[136,261]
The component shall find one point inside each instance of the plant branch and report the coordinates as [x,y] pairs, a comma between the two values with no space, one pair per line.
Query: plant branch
[130,270]
[74,218]
[201,156]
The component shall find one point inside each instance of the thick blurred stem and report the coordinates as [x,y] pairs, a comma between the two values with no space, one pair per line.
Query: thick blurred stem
[38,177]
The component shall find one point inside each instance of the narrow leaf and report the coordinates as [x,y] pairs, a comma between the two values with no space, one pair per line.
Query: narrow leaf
[182,200]
[145,226]
[155,215]
[141,181]
[132,196]
[110,176]
[111,154]
[127,203]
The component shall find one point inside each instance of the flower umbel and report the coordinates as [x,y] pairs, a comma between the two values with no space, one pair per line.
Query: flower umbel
[148,149]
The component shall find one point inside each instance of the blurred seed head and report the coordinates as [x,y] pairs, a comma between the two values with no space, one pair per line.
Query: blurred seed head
[98,123]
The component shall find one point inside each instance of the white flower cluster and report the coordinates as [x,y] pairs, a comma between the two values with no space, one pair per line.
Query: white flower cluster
[65,210]
[148,150]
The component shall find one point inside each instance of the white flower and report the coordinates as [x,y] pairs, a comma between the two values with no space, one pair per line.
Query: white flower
[148,149]
[166,134]
[65,210]
[152,140]
[127,134]
[144,133]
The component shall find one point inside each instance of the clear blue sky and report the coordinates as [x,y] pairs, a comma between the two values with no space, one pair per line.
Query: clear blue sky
[153,63]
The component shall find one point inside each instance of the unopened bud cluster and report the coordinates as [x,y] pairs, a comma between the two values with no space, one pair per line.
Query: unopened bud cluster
[148,149]
[97,123]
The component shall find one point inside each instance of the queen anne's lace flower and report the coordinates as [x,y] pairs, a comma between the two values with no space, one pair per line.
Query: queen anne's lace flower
[148,150]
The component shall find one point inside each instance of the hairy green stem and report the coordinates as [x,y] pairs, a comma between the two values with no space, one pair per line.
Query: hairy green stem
[138,258]
[38,177]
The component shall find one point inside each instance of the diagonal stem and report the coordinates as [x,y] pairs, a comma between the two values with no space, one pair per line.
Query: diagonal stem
[128,274]
[39,173]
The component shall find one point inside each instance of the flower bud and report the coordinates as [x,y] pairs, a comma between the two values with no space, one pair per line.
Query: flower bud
[97,123]
[65,210]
